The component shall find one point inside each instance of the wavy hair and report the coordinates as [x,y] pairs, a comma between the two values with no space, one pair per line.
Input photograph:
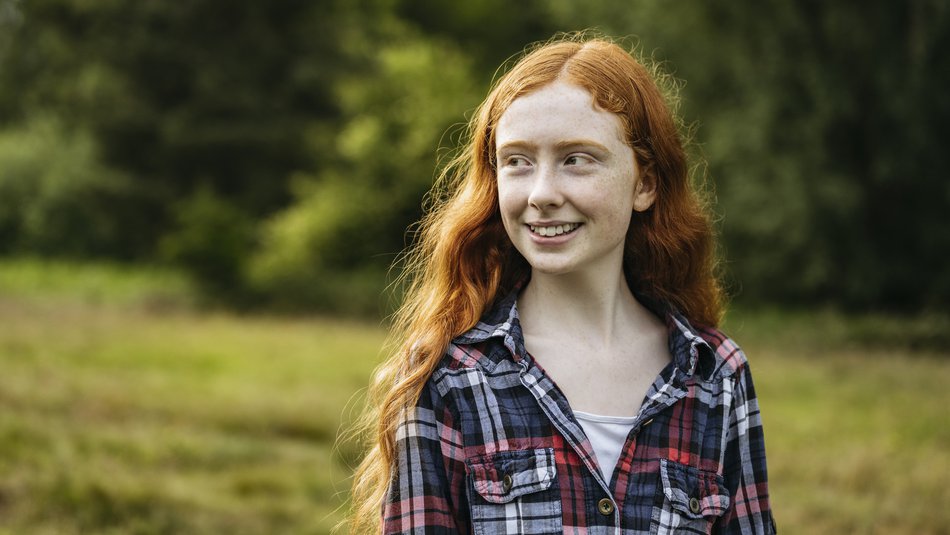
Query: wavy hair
[462,259]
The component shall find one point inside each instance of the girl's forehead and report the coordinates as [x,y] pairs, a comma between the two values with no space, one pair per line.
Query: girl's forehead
[555,112]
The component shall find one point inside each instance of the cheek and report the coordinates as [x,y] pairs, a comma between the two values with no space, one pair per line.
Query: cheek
[616,208]
[510,195]
[507,205]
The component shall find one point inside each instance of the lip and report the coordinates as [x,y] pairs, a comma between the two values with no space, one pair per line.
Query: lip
[552,223]
[551,240]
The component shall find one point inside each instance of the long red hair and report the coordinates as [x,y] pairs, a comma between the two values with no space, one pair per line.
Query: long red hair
[462,258]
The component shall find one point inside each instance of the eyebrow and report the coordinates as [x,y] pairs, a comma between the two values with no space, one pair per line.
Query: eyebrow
[560,145]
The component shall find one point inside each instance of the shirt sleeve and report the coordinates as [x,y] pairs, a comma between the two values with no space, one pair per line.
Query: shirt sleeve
[744,464]
[427,491]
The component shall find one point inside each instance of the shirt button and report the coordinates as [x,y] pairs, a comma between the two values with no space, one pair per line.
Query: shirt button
[694,506]
[605,506]
[506,482]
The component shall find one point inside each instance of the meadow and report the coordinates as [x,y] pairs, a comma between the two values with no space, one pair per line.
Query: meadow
[127,408]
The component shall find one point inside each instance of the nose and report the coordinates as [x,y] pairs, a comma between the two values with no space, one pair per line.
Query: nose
[545,191]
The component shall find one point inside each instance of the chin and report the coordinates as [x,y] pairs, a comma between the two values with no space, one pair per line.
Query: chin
[549,268]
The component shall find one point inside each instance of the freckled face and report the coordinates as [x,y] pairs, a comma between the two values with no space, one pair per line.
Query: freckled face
[567,181]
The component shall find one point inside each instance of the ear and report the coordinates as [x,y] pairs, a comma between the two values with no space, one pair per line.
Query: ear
[644,191]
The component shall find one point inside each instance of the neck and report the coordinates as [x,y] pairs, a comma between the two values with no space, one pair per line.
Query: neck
[580,305]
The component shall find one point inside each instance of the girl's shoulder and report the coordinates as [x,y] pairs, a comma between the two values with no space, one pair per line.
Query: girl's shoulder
[707,349]
[730,359]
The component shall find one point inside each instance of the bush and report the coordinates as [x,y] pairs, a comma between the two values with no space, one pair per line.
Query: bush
[210,240]
[320,252]
[58,199]
[332,247]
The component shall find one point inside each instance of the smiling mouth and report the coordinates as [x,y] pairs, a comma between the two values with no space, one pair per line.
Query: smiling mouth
[554,230]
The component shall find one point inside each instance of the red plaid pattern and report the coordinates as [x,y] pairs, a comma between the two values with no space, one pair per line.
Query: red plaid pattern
[492,446]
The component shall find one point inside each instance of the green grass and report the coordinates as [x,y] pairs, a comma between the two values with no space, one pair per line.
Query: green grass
[120,417]
[855,415]
[117,418]
[858,441]
[52,281]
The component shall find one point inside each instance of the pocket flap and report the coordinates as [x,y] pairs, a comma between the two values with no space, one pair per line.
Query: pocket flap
[693,492]
[505,475]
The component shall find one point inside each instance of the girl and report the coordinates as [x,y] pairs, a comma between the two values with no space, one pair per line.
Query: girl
[558,367]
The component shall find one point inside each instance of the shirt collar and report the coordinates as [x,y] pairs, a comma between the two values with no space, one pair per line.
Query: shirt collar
[501,321]
[691,352]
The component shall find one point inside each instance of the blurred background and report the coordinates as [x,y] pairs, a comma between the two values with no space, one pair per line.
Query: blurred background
[200,203]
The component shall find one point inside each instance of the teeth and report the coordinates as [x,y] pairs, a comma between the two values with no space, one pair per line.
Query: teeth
[555,230]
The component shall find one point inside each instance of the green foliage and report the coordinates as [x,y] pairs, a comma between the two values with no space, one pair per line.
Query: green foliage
[210,240]
[823,125]
[333,245]
[55,195]
[489,31]
[183,96]
[315,254]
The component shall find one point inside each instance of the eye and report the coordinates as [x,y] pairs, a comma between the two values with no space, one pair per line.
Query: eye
[516,161]
[578,159]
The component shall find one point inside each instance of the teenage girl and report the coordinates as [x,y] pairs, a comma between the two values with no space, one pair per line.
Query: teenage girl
[559,368]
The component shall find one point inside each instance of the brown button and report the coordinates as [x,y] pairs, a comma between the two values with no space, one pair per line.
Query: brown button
[506,482]
[694,506]
[605,506]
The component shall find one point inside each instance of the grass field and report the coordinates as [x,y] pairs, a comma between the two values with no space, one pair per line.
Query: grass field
[858,440]
[118,416]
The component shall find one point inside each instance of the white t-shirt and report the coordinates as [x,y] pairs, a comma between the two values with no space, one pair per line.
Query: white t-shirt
[607,435]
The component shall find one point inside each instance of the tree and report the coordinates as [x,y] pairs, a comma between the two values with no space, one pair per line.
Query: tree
[226,96]
[823,125]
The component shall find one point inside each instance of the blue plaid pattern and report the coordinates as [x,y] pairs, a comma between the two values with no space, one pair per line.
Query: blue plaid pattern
[492,446]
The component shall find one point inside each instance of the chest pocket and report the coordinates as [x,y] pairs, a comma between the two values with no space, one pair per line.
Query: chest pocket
[691,501]
[514,492]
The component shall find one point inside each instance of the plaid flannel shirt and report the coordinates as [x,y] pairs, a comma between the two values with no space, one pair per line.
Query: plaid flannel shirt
[493,447]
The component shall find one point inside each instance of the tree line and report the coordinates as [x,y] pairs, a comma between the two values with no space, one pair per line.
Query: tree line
[278,151]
